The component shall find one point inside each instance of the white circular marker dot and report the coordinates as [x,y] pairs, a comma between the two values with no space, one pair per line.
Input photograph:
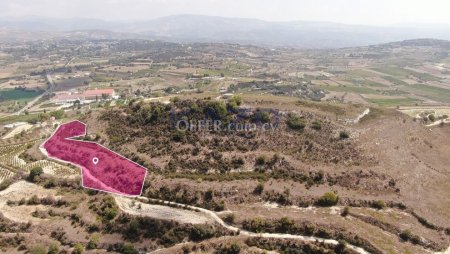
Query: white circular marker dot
[95,160]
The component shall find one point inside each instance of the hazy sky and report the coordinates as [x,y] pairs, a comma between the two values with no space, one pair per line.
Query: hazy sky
[374,12]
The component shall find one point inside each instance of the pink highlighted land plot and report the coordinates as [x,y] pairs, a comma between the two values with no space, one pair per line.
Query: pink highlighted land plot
[101,168]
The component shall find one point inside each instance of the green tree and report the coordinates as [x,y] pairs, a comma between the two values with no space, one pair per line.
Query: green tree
[35,173]
[229,218]
[379,204]
[316,125]
[78,248]
[258,225]
[345,212]
[232,106]
[59,114]
[406,235]
[201,232]
[229,249]
[261,117]
[216,110]
[128,248]
[295,122]
[178,136]
[328,199]
[208,196]
[110,213]
[432,117]
[285,225]
[344,135]
[261,160]
[43,117]
[93,242]
[53,248]
[259,189]
[132,231]
[340,247]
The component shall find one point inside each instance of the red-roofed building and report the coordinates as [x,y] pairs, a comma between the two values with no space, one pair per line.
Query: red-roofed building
[98,94]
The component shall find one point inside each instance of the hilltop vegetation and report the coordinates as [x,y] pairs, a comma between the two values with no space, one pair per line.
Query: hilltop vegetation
[303,142]
[172,130]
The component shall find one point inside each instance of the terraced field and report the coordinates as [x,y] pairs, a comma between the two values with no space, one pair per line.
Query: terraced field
[9,155]
[53,168]
[11,149]
[5,174]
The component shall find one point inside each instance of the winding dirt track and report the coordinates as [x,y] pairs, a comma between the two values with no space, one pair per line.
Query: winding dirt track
[161,212]
[213,216]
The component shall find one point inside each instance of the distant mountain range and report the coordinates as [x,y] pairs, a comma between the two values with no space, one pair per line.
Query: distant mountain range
[196,28]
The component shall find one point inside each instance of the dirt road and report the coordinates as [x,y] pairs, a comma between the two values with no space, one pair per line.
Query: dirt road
[130,206]
[17,130]
[16,192]
[31,103]
[218,220]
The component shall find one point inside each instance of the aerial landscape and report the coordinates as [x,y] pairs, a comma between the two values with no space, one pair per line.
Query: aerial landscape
[249,137]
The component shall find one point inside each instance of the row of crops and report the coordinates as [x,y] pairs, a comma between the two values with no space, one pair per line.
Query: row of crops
[11,149]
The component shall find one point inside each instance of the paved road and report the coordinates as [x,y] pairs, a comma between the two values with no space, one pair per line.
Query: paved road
[31,103]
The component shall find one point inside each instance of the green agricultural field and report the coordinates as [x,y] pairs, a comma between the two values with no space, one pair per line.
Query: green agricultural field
[151,71]
[48,105]
[394,102]
[434,93]
[103,78]
[395,81]
[400,73]
[366,82]
[212,73]
[19,118]
[349,89]
[17,95]
[361,73]
[426,76]
[393,71]
[232,69]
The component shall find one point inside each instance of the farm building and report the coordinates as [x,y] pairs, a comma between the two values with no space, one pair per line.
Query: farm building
[98,94]
[64,98]
[85,97]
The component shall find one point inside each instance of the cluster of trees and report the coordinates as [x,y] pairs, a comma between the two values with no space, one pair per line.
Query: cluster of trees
[145,114]
[294,247]
[407,235]
[157,124]
[35,200]
[42,117]
[284,198]
[166,232]
[182,195]
[289,226]
[233,248]
[298,123]
[285,225]
[106,208]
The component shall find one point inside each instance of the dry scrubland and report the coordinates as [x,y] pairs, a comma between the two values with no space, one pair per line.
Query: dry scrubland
[379,182]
